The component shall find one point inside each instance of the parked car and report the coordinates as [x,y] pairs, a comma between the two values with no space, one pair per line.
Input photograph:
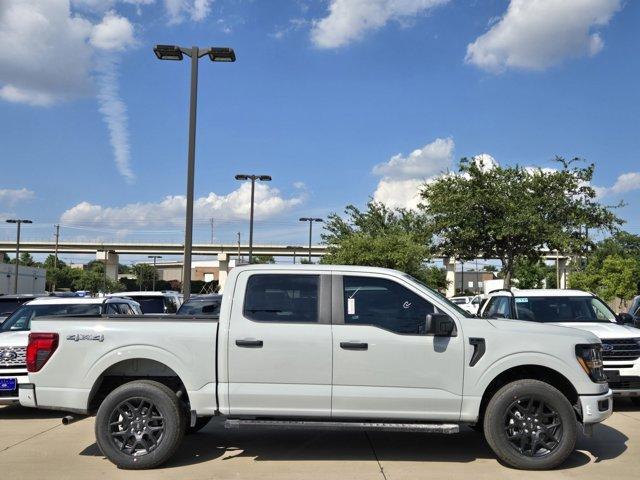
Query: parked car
[14,332]
[154,302]
[321,346]
[201,305]
[469,303]
[584,311]
[634,309]
[9,303]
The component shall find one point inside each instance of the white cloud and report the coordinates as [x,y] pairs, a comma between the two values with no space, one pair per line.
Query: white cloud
[627,182]
[235,205]
[537,34]
[349,20]
[196,10]
[11,196]
[113,33]
[427,161]
[402,176]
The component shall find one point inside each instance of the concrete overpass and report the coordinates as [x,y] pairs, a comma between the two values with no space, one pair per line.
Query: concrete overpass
[109,253]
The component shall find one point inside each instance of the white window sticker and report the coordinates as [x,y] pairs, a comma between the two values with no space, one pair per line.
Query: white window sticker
[522,300]
[351,306]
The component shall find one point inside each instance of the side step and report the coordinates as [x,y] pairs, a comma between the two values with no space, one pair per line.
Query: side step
[447,428]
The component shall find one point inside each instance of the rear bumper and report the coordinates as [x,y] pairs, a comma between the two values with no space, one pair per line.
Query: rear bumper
[10,398]
[596,408]
[27,395]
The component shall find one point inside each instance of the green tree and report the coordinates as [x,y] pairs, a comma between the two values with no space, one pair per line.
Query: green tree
[512,212]
[27,260]
[619,278]
[145,274]
[256,259]
[381,237]
[5,258]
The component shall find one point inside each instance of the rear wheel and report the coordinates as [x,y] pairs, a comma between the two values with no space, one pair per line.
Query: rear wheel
[530,425]
[140,425]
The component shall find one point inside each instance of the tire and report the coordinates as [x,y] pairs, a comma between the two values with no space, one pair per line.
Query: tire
[526,436]
[140,425]
[635,401]
[201,422]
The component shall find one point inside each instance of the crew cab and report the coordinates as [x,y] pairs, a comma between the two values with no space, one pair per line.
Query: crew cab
[584,311]
[14,332]
[321,346]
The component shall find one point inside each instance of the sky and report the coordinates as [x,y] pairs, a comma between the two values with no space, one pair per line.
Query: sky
[340,101]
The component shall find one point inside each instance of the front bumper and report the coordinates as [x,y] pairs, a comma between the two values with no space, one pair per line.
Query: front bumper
[596,408]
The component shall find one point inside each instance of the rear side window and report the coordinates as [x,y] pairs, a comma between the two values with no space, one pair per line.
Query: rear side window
[282,298]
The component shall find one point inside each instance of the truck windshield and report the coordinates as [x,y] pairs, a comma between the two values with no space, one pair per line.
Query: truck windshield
[444,299]
[20,320]
[563,309]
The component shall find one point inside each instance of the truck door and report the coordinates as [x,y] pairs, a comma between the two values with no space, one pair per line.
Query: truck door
[280,345]
[384,364]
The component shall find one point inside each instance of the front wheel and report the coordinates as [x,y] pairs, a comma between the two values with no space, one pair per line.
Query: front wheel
[530,425]
[140,425]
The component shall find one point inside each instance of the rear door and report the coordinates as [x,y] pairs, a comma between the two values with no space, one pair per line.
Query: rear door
[279,349]
[385,365]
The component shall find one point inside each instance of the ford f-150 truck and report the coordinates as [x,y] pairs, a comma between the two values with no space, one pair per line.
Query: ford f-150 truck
[326,347]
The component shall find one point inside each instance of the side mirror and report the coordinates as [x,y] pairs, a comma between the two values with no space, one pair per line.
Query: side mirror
[440,325]
[624,318]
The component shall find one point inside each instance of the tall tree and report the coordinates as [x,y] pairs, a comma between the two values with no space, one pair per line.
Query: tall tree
[511,212]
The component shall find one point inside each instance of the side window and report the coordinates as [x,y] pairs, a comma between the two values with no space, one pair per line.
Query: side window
[125,309]
[170,305]
[385,304]
[498,308]
[282,298]
[112,309]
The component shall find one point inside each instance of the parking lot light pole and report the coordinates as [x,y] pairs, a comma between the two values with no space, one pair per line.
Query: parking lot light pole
[253,178]
[216,54]
[155,257]
[310,220]
[18,222]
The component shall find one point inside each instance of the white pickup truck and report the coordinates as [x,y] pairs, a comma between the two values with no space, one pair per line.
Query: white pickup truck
[326,347]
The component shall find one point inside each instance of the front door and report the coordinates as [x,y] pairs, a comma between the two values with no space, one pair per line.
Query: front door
[280,345]
[384,364]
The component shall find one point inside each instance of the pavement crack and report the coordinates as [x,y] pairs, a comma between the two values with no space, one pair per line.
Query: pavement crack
[375,455]
[29,438]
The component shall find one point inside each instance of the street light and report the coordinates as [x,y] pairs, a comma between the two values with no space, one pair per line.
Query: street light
[155,257]
[216,54]
[310,220]
[253,178]
[18,222]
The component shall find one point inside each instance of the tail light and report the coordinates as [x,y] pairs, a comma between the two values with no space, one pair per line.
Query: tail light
[40,348]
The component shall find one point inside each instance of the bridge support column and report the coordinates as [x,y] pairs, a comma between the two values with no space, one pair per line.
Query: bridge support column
[450,267]
[110,259]
[562,270]
[223,269]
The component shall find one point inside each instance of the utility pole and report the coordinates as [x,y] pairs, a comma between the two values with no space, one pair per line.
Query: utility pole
[18,222]
[253,178]
[310,220]
[155,257]
[211,221]
[239,256]
[55,258]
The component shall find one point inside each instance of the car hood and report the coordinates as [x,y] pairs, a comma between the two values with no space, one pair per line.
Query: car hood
[536,328]
[604,330]
[14,339]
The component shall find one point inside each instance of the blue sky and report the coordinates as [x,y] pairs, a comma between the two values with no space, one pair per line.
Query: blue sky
[329,97]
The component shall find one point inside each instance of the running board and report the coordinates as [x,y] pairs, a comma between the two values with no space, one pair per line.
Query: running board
[447,428]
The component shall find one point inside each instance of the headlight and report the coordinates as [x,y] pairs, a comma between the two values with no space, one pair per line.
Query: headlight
[590,359]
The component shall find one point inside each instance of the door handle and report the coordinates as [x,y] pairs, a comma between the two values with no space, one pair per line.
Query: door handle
[354,345]
[249,343]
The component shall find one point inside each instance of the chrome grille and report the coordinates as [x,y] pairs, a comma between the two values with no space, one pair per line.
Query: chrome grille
[13,357]
[620,349]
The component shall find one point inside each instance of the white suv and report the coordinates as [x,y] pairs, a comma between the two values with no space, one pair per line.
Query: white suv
[585,311]
[14,332]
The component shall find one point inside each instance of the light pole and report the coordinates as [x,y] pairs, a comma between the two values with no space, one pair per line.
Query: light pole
[310,220]
[155,257]
[174,52]
[18,222]
[253,178]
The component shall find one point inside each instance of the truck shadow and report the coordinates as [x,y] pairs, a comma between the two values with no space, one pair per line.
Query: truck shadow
[216,442]
[17,412]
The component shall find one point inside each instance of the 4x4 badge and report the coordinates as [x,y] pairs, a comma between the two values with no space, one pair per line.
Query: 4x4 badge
[82,336]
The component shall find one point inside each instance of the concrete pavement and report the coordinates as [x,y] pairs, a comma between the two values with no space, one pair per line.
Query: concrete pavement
[34,445]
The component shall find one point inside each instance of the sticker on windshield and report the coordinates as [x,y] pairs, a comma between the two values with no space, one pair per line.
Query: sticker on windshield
[522,300]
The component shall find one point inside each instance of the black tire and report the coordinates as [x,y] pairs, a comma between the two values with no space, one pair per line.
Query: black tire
[201,422]
[528,436]
[140,425]
[635,401]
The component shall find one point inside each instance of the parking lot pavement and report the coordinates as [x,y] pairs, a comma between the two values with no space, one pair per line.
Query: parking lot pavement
[34,444]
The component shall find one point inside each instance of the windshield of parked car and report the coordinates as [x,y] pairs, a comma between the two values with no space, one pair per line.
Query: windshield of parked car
[20,320]
[8,305]
[200,306]
[563,309]
[444,299]
[150,304]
